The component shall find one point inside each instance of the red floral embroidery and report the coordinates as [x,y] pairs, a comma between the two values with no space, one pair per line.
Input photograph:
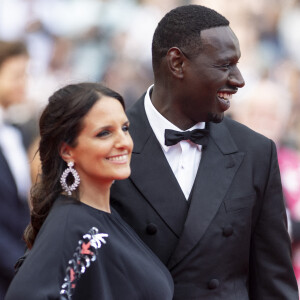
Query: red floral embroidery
[85,253]
[85,248]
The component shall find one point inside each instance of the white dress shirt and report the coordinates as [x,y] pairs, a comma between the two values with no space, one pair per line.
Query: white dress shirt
[184,157]
[13,150]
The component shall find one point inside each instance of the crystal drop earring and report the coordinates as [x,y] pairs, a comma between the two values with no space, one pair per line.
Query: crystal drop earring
[63,179]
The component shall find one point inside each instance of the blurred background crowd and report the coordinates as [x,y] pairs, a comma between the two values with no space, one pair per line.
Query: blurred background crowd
[110,41]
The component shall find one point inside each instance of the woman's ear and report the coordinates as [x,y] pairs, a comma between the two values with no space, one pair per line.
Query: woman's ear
[65,152]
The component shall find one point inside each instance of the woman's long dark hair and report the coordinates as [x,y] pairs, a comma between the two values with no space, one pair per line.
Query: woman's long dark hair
[61,121]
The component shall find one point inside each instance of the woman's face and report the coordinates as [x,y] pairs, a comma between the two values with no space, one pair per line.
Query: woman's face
[104,146]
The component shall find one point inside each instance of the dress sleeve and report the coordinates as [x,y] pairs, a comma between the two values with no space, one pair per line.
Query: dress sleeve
[85,254]
[64,249]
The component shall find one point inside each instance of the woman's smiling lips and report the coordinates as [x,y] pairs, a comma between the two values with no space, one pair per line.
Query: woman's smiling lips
[119,159]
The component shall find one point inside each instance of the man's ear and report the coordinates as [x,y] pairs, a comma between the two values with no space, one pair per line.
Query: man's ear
[65,152]
[175,61]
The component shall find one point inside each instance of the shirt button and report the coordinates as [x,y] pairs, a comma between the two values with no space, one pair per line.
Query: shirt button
[228,230]
[151,228]
[182,167]
[213,284]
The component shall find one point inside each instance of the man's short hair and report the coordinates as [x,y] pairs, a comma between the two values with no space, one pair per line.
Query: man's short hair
[11,48]
[181,27]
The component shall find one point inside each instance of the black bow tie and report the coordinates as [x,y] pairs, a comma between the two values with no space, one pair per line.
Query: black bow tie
[198,136]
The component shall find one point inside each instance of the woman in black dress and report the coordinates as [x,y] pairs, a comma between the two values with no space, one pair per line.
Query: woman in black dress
[80,248]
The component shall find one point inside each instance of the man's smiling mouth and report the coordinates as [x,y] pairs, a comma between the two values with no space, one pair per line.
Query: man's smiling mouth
[224,100]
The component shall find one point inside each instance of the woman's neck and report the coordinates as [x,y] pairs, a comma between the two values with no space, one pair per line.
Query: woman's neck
[96,196]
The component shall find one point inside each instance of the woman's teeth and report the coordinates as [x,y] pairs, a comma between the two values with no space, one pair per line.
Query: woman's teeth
[118,158]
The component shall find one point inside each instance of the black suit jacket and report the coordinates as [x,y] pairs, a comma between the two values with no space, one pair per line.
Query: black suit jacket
[230,240]
[14,217]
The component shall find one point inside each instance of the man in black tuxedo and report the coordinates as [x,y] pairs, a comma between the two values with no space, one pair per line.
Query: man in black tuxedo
[213,212]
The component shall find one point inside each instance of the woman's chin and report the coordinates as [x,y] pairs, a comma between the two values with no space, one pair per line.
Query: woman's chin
[122,175]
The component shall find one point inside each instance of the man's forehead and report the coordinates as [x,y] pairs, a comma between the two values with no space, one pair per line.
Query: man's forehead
[215,32]
[218,36]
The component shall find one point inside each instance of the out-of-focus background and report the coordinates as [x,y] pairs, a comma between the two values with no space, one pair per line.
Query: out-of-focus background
[110,41]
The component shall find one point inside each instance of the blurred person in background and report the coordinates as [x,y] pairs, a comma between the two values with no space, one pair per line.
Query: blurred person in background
[266,108]
[93,44]
[14,164]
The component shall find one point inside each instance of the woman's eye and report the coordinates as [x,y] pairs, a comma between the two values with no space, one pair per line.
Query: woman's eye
[125,128]
[103,133]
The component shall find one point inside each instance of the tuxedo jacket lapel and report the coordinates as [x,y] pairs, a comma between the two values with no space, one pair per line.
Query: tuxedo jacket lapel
[219,163]
[152,174]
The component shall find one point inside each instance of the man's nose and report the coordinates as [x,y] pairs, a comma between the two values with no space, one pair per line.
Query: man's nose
[236,79]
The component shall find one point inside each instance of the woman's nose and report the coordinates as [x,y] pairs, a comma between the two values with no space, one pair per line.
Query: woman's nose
[124,140]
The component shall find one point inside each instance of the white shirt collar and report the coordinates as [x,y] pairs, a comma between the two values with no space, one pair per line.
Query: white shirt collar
[159,123]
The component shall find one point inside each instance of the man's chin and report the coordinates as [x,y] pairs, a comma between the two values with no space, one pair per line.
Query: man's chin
[216,118]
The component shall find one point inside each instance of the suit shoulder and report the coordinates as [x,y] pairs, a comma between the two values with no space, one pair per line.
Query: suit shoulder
[248,140]
[244,132]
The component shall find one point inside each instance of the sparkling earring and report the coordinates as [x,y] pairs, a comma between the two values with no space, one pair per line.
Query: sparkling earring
[63,179]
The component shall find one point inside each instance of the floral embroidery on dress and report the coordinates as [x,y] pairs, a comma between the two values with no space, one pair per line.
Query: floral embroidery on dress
[85,253]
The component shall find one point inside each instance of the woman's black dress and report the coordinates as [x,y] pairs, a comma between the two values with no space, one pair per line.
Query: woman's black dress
[89,254]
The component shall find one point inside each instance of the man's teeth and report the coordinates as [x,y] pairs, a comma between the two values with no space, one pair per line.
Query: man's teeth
[117,158]
[225,96]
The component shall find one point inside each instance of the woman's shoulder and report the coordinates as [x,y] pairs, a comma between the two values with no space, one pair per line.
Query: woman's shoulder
[63,212]
[66,205]
[67,212]
[63,205]
[67,222]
